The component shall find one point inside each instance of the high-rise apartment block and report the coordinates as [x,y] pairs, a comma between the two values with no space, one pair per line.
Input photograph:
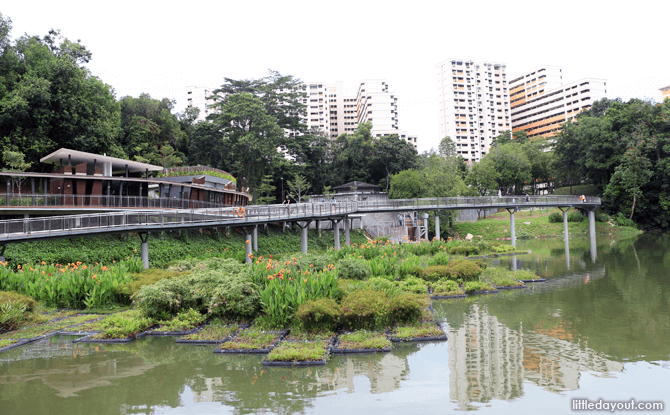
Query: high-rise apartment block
[335,112]
[473,105]
[201,97]
[665,91]
[541,103]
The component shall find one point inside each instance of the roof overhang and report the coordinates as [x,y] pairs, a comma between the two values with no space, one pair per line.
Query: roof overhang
[78,157]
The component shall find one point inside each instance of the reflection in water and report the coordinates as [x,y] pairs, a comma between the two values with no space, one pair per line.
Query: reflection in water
[488,360]
[591,318]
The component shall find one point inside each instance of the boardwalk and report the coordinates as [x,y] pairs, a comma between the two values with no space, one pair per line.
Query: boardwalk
[148,220]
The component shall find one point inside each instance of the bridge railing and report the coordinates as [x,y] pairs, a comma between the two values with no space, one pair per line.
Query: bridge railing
[102,201]
[239,216]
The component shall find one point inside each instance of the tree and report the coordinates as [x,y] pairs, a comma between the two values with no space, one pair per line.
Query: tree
[352,155]
[266,191]
[393,155]
[250,136]
[48,100]
[447,148]
[632,174]
[567,165]
[513,167]
[483,176]
[168,157]
[298,187]
[15,162]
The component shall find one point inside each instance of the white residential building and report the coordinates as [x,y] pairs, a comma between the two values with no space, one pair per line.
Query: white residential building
[200,97]
[541,103]
[473,105]
[336,112]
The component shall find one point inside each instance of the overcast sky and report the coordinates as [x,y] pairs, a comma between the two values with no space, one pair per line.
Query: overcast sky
[160,47]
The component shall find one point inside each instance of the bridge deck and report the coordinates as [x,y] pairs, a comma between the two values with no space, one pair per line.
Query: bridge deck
[19,230]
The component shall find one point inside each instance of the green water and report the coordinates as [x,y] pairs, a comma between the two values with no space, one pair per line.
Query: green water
[594,330]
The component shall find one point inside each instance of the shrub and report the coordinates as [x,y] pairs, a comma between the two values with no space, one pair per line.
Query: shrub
[440,258]
[500,277]
[601,217]
[354,269]
[446,287]
[12,297]
[321,314]
[466,250]
[463,269]
[123,292]
[184,321]
[472,286]
[406,308]
[501,249]
[232,296]
[412,285]
[555,217]
[434,273]
[575,216]
[164,299]
[310,262]
[365,309]
[622,220]
[223,295]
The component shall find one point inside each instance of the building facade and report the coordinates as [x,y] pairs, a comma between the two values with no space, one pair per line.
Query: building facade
[665,92]
[201,97]
[334,111]
[541,103]
[473,105]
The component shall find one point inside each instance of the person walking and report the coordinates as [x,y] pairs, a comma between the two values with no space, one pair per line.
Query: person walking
[287,202]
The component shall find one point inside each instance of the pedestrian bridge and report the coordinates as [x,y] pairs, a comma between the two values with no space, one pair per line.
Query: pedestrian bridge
[145,221]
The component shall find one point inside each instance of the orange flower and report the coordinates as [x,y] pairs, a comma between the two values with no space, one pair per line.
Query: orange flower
[43,263]
[93,277]
[247,242]
[269,277]
[251,256]
[305,280]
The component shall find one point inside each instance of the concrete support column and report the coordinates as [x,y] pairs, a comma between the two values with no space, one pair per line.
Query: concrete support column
[513,227]
[255,238]
[318,227]
[336,233]
[592,234]
[144,251]
[424,224]
[437,227]
[2,253]
[247,247]
[347,226]
[303,238]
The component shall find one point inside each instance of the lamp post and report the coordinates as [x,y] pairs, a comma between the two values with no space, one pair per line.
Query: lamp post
[282,189]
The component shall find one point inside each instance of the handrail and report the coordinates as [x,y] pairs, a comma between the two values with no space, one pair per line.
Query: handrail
[162,218]
[11,200]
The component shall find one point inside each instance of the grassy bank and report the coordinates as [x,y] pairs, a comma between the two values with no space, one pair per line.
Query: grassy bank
[165,247]
[534,224]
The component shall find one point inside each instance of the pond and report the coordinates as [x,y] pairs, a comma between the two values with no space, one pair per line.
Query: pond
[595,330]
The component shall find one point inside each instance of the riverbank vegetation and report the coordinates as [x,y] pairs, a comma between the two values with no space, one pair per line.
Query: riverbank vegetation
[386,286]
[540,223]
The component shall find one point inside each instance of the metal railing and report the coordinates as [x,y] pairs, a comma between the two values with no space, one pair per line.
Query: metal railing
[148,220]
[10,200]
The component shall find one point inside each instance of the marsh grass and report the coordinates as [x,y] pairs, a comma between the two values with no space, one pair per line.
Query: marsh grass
[7,342]
[299,351]
[184,321]
[213,332]
[251,339]
[123,325]
[417,331]
[364,339]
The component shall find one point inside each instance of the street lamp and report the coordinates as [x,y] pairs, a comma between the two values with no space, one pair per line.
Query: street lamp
[282,189]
